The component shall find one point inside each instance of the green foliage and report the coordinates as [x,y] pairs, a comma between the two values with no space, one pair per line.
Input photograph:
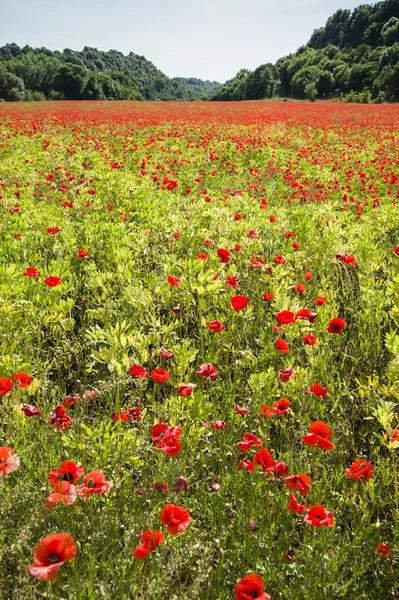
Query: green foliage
[92,74]
[354,56]
[201,89]
[11,87]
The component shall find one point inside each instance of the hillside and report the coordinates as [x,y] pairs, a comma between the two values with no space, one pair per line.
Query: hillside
[38,73]
[354,57]
[198,86]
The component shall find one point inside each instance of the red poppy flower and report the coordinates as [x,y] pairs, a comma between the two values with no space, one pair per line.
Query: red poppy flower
[250,587]
[308,276]
[318,516]
[320,300]
[31,411]
[241,410]
[252,234]
[167,354]
[68,472]
[218,424]
[159,430]
[133,413]
[285,317]
[63,492]
[31,272]
[272,219]
[300,288]
[281,469]
[50,554]
[176,518]
[239,302]
[52,281]
[265,460]
[70,400]
[185,390]
[5,386]
[160,375]
[309,340]
[298,482]
[232,281]
[165,438]
[304,314]
[160,487]
[169,444]
[9,461]
[279,260]
[346,260]
[151,539]
[247,464]
[139,371]
[396,251]
[207,370]
[295,507]
[53,230]
[318,390]
[60,418]
[224,255]
[383,549]
[267,411]
[268,296]
[215,326]
[320,436]
[83,253]
[203,257]
[249,439]
[94,483]
[281,406]
[237,217]
[295,245]
[282,346]
[124,416]
[175,281]
[393,436]
[336,325]
[360,469]
[286,374]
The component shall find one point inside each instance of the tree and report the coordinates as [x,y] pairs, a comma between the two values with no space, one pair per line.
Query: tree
[11,87]
[71,80]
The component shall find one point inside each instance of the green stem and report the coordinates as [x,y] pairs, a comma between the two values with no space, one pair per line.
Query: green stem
[395,482]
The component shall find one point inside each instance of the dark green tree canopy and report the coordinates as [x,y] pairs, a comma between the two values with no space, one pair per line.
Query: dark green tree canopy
[93,74]
[353,57]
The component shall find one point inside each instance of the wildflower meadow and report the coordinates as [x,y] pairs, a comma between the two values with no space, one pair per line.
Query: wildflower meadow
[199,357]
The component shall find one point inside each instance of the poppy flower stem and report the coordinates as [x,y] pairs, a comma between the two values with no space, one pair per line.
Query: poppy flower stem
[200,327]
[395,483]
[154,395]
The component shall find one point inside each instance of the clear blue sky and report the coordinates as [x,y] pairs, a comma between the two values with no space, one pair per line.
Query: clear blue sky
[209,39]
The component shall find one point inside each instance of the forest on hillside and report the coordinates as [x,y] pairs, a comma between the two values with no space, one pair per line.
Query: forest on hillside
[354,57]
[41,74]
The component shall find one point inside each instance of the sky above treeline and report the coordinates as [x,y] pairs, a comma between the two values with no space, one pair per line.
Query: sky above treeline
[208,39]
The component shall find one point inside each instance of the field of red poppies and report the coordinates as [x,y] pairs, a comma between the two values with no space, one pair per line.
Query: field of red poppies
[199,357]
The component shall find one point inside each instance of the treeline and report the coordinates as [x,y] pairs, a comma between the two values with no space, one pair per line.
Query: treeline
[41,74]
[202,89]
[354,57]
